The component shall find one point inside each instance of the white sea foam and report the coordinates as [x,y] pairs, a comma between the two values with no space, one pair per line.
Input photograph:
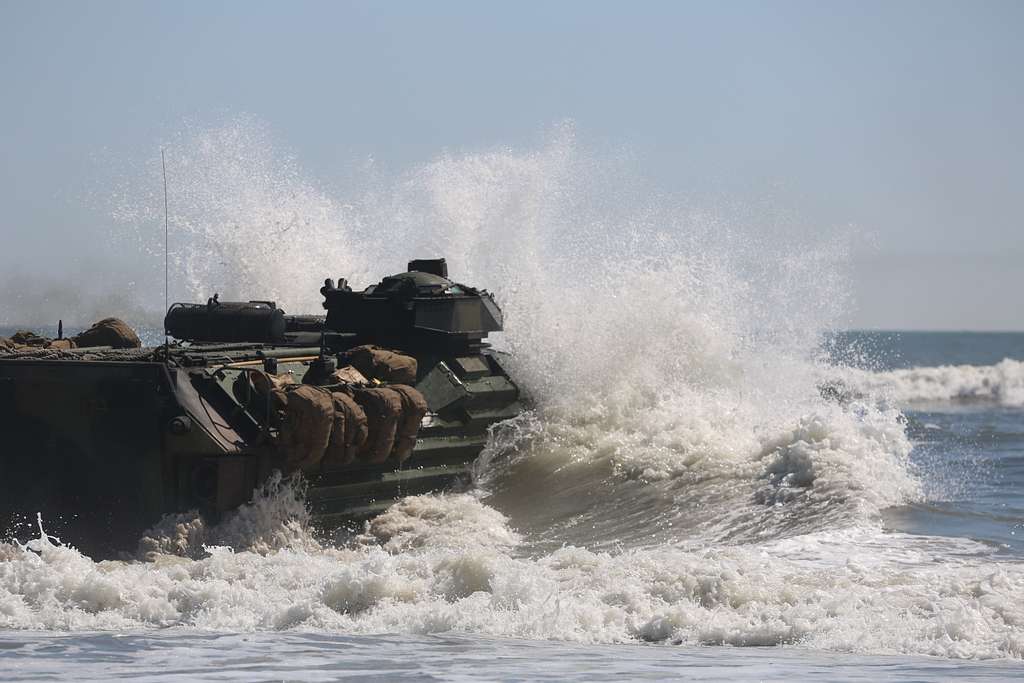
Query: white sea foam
[1001,383]
[276,517]
[852,591]
[679,477]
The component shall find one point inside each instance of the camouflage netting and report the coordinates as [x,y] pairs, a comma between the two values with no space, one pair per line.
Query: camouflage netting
[24,340]
[349,375]
[57,353]
[28,338]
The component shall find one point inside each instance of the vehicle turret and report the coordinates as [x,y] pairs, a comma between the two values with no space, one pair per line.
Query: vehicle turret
[420,308]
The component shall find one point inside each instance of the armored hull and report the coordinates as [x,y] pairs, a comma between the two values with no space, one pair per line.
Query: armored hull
[103,442]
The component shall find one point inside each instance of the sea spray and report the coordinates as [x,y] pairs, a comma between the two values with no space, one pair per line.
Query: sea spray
[276,517]
[658,341]
[679,479]
[245,221]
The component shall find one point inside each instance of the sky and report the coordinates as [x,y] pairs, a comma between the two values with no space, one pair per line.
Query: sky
[904,120]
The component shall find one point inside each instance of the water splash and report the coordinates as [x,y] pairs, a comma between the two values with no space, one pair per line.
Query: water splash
[659,340]
[679,479]
[277,517]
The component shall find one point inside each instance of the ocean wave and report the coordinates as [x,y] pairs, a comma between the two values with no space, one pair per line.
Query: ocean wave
[858,591]
[694,476]
[677,435]
[1002,383]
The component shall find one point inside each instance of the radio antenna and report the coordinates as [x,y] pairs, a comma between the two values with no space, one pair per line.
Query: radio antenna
[163,166]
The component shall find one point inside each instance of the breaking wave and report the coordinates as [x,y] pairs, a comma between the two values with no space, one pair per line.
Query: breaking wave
[678,479]
[450,563]
[1002,383]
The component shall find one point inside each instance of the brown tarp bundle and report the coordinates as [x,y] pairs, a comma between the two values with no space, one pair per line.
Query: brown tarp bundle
[327,431]
[348,433]
[383,407]
[381,364]
[306,430]
[109,332]
[414,407]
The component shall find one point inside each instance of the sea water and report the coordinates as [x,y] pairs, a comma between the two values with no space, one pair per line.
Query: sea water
[710,481]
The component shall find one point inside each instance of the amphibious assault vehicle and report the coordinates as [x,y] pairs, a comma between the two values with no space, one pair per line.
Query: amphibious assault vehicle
[391,393]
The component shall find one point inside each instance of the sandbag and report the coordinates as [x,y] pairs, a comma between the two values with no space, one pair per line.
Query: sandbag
[348,434]
[414,407]
[381,364]
[306,430]
[109,332]
[383,407]
[7,345]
